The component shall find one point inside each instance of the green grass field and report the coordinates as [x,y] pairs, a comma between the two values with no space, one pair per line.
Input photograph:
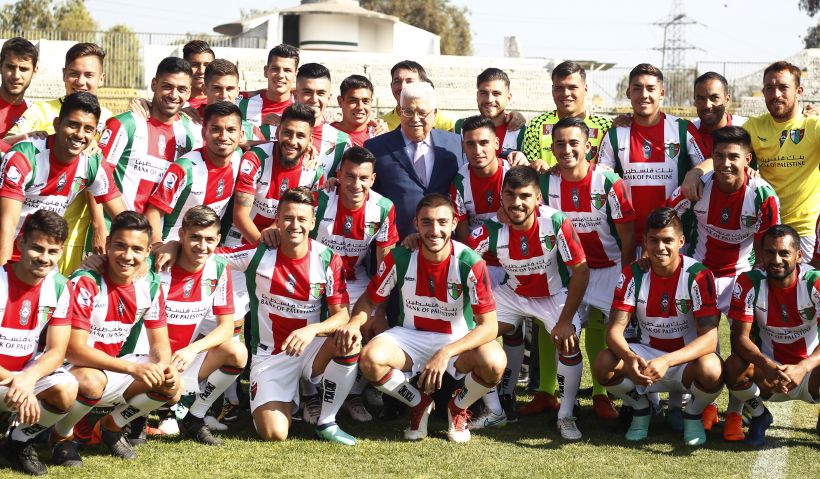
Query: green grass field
[530,448]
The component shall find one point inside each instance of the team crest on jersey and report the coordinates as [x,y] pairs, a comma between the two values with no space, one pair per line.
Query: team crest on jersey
[290,284]
[208,285]
[431,286]
[283,188]
[807,314]
[525,246]
[370,228]
[593,133]
[188,288]
[454,289]
[121,308]
[647,149]
[748,221]
[547,130]
[672,150]
[44,313]
[61,182]
[348,226]
[684,305]
[796,135]
[665,302]
[598,200]
[78,185]
[576,198]
[724,215]
[784,313]
[25,312]
[170,181]
[317,290]
[489,197]
[220,188]
[549,242]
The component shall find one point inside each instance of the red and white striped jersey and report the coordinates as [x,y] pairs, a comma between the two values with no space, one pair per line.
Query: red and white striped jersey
[475,198]
[536,261]
[594,205]
[27,311]
[652,161]
[287,294]
[706,137]
[191,297]
[786,318]
[255,106]
[441,298]
[10,113]
[726,224]
[113,314]
[351,232]
[667,307]
[330,144]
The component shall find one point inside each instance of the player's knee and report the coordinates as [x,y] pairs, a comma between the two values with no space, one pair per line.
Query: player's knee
[237,354]
[709,369]
[90,382]
[62,396]
[735,370]
[271,431]
[371,360]
[492,364]
[603,365]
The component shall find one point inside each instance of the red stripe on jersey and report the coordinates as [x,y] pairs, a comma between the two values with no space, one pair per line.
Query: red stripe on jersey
[22,313]
[432,325]
[144,190]
[356,137]
[162,142]
[282,179]
[577,195]
[220,183]
[646,143]
[122,307]
[179,335]
[501,133]
[530,285]
[487,191]
[432,278]
[738,310]
[594,250]
[9,113]
[644,200]
[783,314]
[291,277]
[660,302]
[723,212]
[282,327]
[349,224]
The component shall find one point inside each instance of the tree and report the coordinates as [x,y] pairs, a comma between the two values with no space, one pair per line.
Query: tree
[74,22]
[123,62]
[437,16]
[812,38]
[27,15]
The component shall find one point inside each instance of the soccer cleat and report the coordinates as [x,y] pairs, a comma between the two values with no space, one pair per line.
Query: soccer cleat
[373,397]
[83,432]
[311,408]
[488,419]
[419,415]
[135,431]
[710,416]
[169,426]
[757,429]
[229,413]
[355,407]
[22,456]
[603,407]
[540,402]
[639,427]
[693,431]
[115,441]
[215,425]
[568,429]
[674,419]
[733,427]
[457,421]
[508,404]
[332,433]
[196,429]
[65,454]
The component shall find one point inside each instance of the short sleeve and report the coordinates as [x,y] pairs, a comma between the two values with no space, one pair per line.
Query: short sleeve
[388,235]
[248,171]
[337,293]
[481,291]
[569,244]
[223,295]
[742,303]
[625,291]
[384,281]
[82,303]
[704,295]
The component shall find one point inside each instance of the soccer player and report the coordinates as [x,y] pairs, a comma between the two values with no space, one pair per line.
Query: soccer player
[779,302]
[205,176]
[731,216]
[267,171]
[785,145]
[222,84]
[139,150]
[493,95]
[447,324]
[402,73]
[597,203]
[711,98]
[569,90]
[266,106]
[109,310]
[547,274]
[675,306]
[199,55]
[355,101]
[18,65]
[52,172]
[35,305]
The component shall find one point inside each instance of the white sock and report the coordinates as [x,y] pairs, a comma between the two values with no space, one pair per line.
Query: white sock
[492,402]
[630,396]
[138,406]
[735,404]
[217,382]
[699,400]
[750,394]
[570,369]
[337,380]
[48,417]
[394,384]
[515,358]
[82,406]
[470,392]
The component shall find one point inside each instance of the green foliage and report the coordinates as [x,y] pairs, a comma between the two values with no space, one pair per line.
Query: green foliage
[437,16]
[123,62]
[74,22]
[27,15]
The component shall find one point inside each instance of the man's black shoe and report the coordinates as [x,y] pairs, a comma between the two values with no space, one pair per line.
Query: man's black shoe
[196,429]
[22,456]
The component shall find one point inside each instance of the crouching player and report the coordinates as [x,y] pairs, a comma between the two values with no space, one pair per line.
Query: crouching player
[108,312]
[34,300]
[447,325]
[675,304]
[781,302]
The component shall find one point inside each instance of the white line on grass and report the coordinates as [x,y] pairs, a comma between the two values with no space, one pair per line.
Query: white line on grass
[772,462]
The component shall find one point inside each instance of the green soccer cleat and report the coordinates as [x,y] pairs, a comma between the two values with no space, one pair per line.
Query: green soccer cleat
[333,433]
[693,432]
[639,428]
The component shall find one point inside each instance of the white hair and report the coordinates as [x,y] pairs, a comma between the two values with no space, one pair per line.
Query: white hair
[420,90]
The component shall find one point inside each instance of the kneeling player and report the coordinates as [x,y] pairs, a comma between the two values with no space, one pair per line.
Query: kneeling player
[34,301]
[109,309]
[675,305]
[783,301]
[447,325]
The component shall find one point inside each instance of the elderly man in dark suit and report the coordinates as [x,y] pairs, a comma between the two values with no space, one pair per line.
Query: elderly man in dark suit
[414,159]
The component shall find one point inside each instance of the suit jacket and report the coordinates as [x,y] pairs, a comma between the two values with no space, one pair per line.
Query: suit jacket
[396,177]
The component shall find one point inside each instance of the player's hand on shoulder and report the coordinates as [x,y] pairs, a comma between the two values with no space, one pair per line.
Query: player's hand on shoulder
[271,237]
[810,110]
[310,160]
[622,120]
[515,120]
[140,107]
[272,119]
[379,126]
[94,262]
[411,241]
[643,263]
[165,256]
[192,114]
[692,187]
[331,184]
[36,135]
[298,340]
[517,158]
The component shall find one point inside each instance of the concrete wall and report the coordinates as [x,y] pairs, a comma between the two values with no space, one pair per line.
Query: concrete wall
[329,32]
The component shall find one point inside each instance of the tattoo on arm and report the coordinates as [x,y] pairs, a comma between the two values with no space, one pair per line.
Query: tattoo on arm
[244,199]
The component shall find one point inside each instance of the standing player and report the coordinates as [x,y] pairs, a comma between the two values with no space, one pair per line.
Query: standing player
[675,305]
[35,305]
[266,106]
[597,203]
[18,64]
[199,55]
[493,96]
[205,176]
[52,172]
[402,73]
[546,277]
[447,323]
[222,84]
[780,302]
[109,311]
[711,98]
[267,171]
[355,101]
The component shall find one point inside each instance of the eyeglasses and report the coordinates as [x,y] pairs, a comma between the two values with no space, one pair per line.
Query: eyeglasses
[411,113]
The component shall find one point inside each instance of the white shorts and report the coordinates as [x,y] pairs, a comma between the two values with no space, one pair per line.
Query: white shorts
[673,379]
[114,391]
[600,291]
[355,289]
[807,246]
[512,308]
[421,346]
[800,393]
[723,288]
[190,377]
[60,376]
[276,378]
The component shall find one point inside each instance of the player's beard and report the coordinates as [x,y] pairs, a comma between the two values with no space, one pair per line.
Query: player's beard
[788,269]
